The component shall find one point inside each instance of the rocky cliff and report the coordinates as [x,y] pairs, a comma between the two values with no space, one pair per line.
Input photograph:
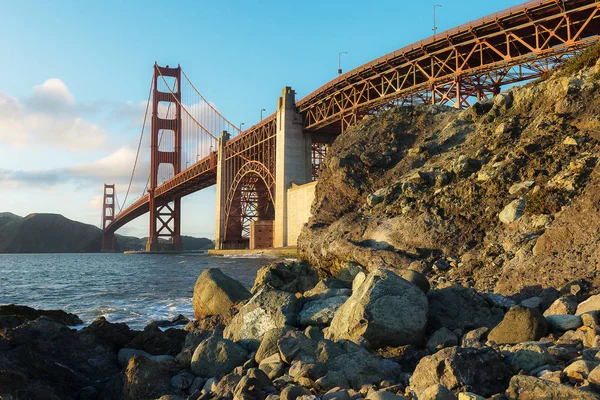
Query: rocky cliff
[503,196]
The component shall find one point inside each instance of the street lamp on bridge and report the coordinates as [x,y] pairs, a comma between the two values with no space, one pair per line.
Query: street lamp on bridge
[434,22]
[261,111]
[340,61]
[241,126]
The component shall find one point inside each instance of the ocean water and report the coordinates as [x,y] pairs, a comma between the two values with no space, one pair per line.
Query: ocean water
[133,288]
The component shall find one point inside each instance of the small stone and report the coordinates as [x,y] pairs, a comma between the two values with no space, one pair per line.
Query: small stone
[383,395]
[182,381]
[125,354]
[441,265]
[520,188]
[475,337]
[292,392]
[564,305]
[590,319]
[469,396]
[527,356]
[437,392]
[564,322]
[440,339]
[580,370]
[512,212]
[336,393]
[520,324]
[591,304]
[570,141]
[532,302]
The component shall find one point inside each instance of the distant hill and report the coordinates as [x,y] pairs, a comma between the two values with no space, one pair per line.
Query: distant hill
[48,233]
[54,233]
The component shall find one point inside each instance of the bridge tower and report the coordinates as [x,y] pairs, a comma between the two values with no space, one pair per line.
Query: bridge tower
[165,217]
[108,215]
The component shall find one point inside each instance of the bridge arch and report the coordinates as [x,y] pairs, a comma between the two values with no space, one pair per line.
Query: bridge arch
[251,196]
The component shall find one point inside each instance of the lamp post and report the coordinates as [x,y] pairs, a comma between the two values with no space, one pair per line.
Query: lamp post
[261,111]
[241,126]
[434,22]
[340,61]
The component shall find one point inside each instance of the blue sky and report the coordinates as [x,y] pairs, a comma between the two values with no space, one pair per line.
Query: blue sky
[75,74]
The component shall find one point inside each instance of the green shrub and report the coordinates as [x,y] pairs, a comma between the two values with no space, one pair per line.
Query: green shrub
[546,201]
[584,60]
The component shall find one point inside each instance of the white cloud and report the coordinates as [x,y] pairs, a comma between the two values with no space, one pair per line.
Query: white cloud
[49,117]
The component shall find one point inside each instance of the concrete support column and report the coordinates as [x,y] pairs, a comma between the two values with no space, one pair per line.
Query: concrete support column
[293,161]
[221,192]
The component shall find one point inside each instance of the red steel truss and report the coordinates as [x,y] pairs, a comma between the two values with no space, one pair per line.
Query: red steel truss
[467,63]
[470,61]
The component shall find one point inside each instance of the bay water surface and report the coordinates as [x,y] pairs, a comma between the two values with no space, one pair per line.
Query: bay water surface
[131,288]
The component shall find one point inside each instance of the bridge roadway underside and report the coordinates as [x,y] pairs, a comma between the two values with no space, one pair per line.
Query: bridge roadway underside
[459,66]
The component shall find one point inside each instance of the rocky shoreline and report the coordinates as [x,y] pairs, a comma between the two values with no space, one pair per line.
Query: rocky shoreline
[294,335]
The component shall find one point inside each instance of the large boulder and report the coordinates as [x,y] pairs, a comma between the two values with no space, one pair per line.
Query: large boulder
[290,277]
[268,345]
[266,310]
[523,387]
[385,310]
[591,304]
[145,379]
[527,356]
[215,293]
[113,335]
[457,307]
[216,356]
[520,324]
[459,369]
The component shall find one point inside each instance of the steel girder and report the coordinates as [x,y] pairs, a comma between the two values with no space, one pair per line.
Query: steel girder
[437,70]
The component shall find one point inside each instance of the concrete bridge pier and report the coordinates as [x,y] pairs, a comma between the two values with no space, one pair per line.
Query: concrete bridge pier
[221,192]
[293,161]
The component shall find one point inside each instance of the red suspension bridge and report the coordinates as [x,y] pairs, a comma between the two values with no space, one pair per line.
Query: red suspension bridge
[193,146]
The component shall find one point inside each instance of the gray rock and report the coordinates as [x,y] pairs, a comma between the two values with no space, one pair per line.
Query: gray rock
[591,304]
[469,396]
[273,366]
[580,370]
[414,277]
[532,302]
[520,188]
[216,356]
[125,354]
[564,322]
[520,324]
[437,392]
[210,385]
[440,339]
[292,392]
[384,310]
[292,277]
[475,338]
[523,387]
[527,356]
[336,394]
[351,369]
[266,310]
[512,212]
[215,293]
[145,379]
[564,305]
[226,386]
[457,307]
[383,395]
[320,312]
[182,381]
[268,345]
[458,368]
[594,376]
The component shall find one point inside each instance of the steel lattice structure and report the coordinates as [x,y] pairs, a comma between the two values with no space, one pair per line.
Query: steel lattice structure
[470,62]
